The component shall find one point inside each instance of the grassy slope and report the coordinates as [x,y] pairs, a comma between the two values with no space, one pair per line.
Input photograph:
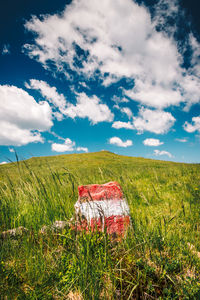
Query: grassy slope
[158,258]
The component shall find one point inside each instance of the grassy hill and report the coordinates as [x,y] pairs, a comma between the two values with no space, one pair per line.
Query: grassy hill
[158,259]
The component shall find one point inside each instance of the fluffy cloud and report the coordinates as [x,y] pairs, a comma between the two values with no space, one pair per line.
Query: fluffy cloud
[195,126]
[82,149]
[3,163]
[118,100]
[85,107]
[191,90]
[119,39]
[127,111]
[48,92]
[152,142]
[91,108]
[21,117]
[119,125]
[160,153]
[118,142]
[118,35]
[124,110]
[154,95]
[67,146]
[155,121]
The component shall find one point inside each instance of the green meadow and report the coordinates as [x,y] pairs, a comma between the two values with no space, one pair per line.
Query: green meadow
[159,257]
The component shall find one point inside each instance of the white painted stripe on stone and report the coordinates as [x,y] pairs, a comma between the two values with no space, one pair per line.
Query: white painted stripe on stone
[103,208]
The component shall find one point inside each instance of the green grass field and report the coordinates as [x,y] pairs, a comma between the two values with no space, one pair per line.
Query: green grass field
[159,258]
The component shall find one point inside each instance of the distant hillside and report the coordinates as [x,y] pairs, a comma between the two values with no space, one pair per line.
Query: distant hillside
[73,160]
[83,164]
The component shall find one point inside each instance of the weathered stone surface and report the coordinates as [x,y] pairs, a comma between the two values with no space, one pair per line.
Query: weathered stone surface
[14,233]
[57,226]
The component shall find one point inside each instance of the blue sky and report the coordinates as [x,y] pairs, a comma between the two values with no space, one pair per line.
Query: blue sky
[83,76]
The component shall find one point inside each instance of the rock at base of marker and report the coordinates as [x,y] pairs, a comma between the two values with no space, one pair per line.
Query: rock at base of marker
[102,207]
[14,233]
[57,226]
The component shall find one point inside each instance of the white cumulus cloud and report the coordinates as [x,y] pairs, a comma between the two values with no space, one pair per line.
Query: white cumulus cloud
[48,92]
[3,163]
[156,121]
[191,90]
[68,145]
[119,125]
[195,126]
[21,117]
[127,111]
[82,149]
[124,110]
[118,142]
[154,95]
[152,142]
[91,108]
[119,39]
[85,107]
[160,153]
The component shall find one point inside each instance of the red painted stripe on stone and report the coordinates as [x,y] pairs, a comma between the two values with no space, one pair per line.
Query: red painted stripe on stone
[113,224]
[110,190]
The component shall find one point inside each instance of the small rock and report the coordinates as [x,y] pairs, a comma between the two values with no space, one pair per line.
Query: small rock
[14,233]
[59,225]
[55,227]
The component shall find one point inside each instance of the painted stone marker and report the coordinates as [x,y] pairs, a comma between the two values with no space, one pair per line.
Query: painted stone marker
[102,207]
